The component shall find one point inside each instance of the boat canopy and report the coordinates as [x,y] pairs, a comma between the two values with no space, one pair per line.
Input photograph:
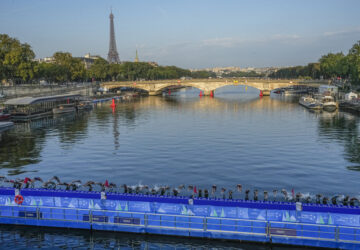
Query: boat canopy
[34,100]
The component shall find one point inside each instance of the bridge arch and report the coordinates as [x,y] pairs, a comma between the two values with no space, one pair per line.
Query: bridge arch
[161,89]
[247,86]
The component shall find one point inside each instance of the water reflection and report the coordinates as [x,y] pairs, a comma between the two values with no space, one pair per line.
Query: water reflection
[71,128]
[22,145]
[19,150]
[18,237]
[343,128]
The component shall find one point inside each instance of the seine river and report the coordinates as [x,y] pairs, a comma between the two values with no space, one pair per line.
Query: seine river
[234,138]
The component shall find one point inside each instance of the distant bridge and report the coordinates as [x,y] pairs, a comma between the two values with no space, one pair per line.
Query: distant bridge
[204,85]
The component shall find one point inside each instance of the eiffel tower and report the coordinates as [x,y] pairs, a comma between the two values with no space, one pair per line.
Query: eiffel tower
[113,56]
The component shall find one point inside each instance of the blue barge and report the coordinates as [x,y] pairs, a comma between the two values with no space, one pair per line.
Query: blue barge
[273,222]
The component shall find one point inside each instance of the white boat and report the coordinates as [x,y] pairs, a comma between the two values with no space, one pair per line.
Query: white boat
[310,103]
[329,103]
[64,108]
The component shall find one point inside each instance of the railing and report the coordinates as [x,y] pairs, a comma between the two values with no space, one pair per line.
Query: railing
[223,226]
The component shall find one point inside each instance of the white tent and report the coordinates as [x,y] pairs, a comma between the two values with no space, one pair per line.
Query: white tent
[351,96]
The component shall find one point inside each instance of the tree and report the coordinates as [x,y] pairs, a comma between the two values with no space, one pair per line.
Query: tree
[72,68]
[314,70]
[99,70]
[329,64]
[16,59]
[354,63]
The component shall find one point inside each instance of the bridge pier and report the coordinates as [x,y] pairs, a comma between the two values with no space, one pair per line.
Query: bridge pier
[266,92]
[207,92]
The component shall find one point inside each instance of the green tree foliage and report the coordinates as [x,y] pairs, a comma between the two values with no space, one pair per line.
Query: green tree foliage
[312,70]
[16,60]
[330,64]
[132,71]
[99,70]
[73,69]
[203,74]
[354,63]
[52,72]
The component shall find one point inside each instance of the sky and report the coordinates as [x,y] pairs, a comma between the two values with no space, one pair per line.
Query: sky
[188,33]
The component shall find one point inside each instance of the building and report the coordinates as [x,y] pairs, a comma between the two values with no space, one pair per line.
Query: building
[46,60]
[219,71]
[89,59]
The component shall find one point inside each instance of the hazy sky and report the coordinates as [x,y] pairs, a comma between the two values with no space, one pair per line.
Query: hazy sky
[188,33]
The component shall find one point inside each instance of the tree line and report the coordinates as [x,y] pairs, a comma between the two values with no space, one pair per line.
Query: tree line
[17,64]
[330,66]
[101,70]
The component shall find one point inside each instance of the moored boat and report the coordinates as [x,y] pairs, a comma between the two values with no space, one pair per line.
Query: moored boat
[4,116]
[310,102]
[64,108]
[31,108]
[84,105]
[329,103]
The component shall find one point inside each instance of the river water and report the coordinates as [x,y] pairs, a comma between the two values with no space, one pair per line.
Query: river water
[234,138]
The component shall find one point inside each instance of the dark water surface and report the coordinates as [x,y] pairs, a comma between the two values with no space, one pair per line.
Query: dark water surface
[19,237]
[236,137]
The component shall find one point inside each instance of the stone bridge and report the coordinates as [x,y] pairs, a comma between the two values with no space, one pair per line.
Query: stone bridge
[205,85]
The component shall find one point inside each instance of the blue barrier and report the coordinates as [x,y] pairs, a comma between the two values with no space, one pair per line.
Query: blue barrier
[278,222]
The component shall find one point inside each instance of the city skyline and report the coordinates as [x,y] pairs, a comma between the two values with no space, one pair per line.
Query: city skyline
[203,34]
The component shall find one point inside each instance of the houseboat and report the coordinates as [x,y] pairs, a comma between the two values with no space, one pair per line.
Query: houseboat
[27,108]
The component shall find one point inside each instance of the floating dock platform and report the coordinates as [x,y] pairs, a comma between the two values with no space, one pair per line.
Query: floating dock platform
[272,222]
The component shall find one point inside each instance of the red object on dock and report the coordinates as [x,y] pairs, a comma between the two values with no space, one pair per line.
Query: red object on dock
[212,93]
[169,92]
[113,103]
[4,117]
[201,94]
[261,93]
[195,191]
